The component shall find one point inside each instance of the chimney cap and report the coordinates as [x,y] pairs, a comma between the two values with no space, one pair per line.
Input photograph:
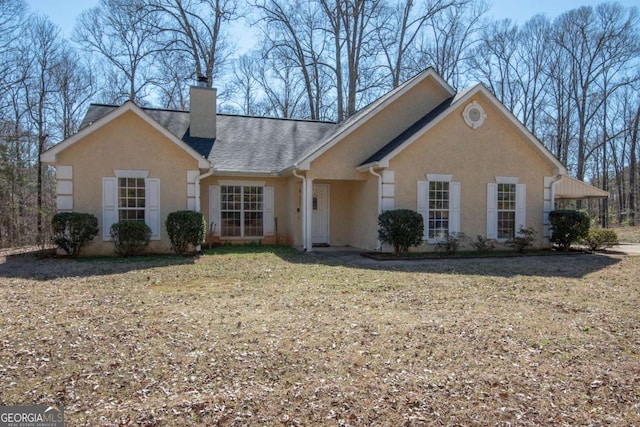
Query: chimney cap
[202,80]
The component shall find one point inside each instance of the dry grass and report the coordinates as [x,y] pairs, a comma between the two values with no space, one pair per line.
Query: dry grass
[628,234]
[278,338]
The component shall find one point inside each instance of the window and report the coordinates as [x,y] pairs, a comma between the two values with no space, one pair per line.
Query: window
[439,204]
[506,208]
[506,211]
[241,211]
[130,195]
[131,199]
[438,209]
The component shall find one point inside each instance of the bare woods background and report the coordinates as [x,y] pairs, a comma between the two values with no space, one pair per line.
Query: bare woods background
[573,81]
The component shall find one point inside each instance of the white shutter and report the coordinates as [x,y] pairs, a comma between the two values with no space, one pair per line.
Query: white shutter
[423,206]
[214,209]
[492,211]
[454,207]
[521,207]
[268,215]
[152,206]
[109,205]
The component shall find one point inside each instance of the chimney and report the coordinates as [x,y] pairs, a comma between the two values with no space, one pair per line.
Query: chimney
[202,110]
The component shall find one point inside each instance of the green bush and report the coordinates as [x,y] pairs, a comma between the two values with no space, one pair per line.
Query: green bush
[568,226]
[130,237]
[185,228]
[401,228]
[524,239]
[599,238]
[72,231]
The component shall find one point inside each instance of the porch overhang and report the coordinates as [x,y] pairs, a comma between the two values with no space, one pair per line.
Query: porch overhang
[568,188]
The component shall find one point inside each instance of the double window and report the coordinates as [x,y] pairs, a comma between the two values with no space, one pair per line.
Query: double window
[241,211]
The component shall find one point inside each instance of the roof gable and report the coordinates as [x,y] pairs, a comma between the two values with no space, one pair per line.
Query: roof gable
[106,114]
[351,124]
[382,157]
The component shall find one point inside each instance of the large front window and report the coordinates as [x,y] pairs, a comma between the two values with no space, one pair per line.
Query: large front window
[506,211]
[131,199]
[438,209]
[241,211]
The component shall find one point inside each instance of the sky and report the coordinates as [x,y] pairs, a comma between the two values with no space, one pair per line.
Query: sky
[64,12]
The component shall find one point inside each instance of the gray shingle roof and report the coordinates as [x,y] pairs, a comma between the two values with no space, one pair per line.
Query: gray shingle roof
[243,143]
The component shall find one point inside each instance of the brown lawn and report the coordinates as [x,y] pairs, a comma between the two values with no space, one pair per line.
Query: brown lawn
[273,337]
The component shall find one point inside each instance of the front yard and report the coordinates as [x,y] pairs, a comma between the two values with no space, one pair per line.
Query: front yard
[273,337]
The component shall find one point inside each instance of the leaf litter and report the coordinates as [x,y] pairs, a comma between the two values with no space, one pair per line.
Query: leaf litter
[280,338]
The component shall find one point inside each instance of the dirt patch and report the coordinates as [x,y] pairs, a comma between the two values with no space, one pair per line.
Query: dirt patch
[278,337]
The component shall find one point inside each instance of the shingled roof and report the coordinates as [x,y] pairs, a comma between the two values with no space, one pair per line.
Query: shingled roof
[243,143]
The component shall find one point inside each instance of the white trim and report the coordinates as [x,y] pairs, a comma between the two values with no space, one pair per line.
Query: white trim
[507,179]
[64,188]
[214,210]
[466,115]
[131,173]
[64,172]
[152,210]
[466,96]
[328,230]
[64,203]
[192,175]
[305,162]
[439,177]
[242,183]
[51,155]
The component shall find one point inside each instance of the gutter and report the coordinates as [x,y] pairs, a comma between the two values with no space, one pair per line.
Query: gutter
[197,184]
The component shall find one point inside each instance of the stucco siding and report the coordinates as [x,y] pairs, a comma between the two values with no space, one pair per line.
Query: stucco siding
[340,161]
[474,158]
[141,147]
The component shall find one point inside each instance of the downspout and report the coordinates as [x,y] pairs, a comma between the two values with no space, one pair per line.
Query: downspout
[553,199]
[303,216]
[372,172]
[197,184]
[553,191]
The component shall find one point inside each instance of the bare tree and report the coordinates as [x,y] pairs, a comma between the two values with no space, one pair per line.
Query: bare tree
[198,28]
[448,40]
[124,33]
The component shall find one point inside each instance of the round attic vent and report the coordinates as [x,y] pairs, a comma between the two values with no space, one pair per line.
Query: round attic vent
[474,115]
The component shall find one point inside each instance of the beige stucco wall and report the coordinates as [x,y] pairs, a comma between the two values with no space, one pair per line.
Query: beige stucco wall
[340,161]
[141,147]
[474,158]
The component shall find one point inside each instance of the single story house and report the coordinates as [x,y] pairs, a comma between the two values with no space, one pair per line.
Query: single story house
[462,160]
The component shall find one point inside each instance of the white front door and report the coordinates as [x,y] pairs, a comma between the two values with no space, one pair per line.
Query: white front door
[320,216]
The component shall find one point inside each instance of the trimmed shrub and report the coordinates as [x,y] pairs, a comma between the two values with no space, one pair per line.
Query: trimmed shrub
[451,242]
[130,237]
[72,231]
[524,239]
[598,239]
[185,228]
[568,227]
[401,228]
